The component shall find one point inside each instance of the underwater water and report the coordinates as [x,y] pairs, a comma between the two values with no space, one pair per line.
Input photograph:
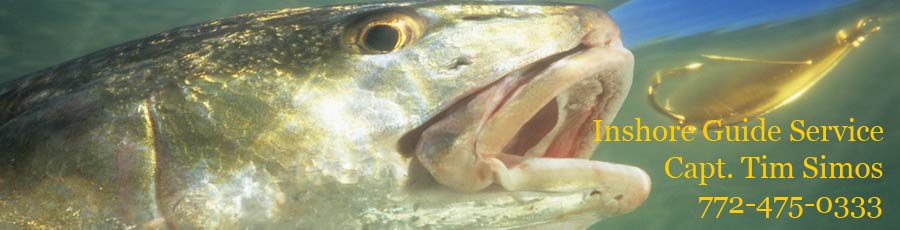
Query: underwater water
[40,33]
[862,86]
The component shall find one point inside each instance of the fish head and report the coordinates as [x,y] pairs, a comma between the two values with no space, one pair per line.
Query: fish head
[504,98]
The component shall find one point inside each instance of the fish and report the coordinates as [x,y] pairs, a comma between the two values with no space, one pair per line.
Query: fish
[453,115]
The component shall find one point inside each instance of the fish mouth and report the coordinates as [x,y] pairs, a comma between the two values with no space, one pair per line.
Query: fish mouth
[529,133]
[543,134]
[530,130]
[540,133]
[571,94]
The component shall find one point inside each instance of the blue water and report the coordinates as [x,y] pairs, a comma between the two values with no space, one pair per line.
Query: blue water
[643,20]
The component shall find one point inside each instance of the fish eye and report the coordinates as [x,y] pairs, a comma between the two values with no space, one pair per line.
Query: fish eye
[382,38]
[385,33]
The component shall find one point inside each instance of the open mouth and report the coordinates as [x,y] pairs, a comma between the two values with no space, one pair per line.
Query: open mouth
[530,129]
[544,109]
[558,129]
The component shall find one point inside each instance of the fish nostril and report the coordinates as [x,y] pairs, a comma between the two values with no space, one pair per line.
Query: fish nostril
[601,38]
[594,38]
[596,193]
[619,197]
[459,62]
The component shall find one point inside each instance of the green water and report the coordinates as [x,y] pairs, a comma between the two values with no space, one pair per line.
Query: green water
[37,34]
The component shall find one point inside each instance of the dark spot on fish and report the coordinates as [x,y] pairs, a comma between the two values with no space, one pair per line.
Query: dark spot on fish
[459,62]
[596,192]
[618,197]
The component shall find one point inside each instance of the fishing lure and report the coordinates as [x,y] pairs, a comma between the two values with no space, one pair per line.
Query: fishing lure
[759,90]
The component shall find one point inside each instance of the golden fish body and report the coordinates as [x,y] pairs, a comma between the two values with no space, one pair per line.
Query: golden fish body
[279,119]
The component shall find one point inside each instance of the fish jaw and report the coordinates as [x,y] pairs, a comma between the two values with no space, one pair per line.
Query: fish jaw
[530,130]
